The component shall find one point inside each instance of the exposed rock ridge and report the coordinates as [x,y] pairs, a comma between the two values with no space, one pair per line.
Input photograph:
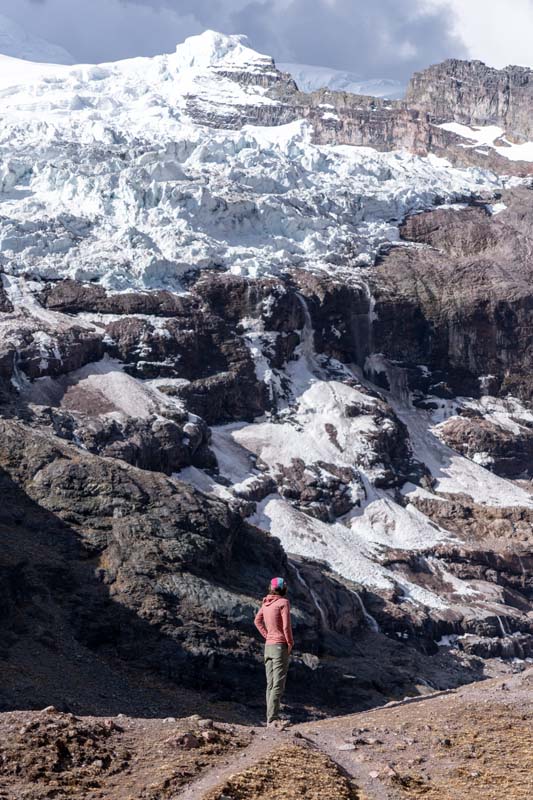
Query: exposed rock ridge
[461,91]
[470,92]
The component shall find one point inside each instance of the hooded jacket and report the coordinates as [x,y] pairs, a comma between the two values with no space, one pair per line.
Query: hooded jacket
[273,620]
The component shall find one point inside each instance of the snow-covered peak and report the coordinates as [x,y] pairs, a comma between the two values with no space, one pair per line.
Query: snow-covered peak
[135,172]
[213,49]
[18,43]
[311,78]
[196,57]
[204,74]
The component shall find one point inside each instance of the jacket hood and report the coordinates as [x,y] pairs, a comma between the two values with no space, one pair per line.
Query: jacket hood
[272,598]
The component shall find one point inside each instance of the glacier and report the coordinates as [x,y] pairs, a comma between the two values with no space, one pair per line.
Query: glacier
[108,174]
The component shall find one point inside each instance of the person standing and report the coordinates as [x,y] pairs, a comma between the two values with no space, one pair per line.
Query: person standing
[273,621]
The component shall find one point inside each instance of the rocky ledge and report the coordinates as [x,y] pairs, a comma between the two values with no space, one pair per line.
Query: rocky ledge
[458,299]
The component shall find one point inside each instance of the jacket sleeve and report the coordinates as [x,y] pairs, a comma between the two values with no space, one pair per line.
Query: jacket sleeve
[259,623]
[287,627]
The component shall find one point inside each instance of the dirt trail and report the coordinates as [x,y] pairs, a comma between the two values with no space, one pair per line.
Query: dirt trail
[264,742]
[475,742]
[324,741]
[370,787]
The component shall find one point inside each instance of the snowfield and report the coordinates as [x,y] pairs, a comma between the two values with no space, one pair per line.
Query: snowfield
[493,137]
[107,175]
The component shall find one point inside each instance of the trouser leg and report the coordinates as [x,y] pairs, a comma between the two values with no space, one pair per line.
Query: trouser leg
[277,665]
[269,670]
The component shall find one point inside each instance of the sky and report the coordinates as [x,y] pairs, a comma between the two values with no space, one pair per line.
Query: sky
[373,38]
[498,32]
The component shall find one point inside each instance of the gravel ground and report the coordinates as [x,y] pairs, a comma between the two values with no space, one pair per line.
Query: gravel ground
[475,743]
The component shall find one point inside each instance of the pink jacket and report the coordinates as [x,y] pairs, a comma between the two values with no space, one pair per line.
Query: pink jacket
[273,620]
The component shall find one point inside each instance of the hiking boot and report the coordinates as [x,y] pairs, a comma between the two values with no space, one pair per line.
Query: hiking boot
[278,724]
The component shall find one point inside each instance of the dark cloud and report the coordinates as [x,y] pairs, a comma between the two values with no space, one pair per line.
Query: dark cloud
[384,37]
[371,37]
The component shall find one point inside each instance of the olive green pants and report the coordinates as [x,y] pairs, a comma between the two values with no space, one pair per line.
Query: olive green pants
[276,667]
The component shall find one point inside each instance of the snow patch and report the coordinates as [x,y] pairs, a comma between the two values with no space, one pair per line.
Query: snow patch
[453,473]
[491,136]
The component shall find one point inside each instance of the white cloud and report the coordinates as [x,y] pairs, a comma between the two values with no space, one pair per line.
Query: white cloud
[498,32]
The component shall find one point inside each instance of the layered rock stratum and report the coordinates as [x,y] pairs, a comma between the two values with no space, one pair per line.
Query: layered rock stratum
[248,331]
[472,93]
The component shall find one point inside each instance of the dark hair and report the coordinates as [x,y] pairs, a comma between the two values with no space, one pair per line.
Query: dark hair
[279,592]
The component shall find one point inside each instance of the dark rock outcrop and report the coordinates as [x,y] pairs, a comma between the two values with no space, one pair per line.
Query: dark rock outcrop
[37,350]
[219,379]
[502,451]
[72,297]
[105,563]
[463,304]
[6,306]
[156,444]
[321,490]
[340,314]
[153,546]
[59,353]
[506,647]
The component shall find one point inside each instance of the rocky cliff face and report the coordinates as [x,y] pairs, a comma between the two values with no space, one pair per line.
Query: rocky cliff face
[228,352]
[465,92]
[129,536]
[470,92]
[460,302]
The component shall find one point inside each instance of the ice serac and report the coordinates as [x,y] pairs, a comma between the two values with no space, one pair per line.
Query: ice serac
[235,343]
[124,148]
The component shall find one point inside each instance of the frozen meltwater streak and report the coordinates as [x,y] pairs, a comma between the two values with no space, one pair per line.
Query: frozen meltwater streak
[313,594]
[369,619]
[397,378]
[524,573]
[372,316]
[502,627]
[307,344]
